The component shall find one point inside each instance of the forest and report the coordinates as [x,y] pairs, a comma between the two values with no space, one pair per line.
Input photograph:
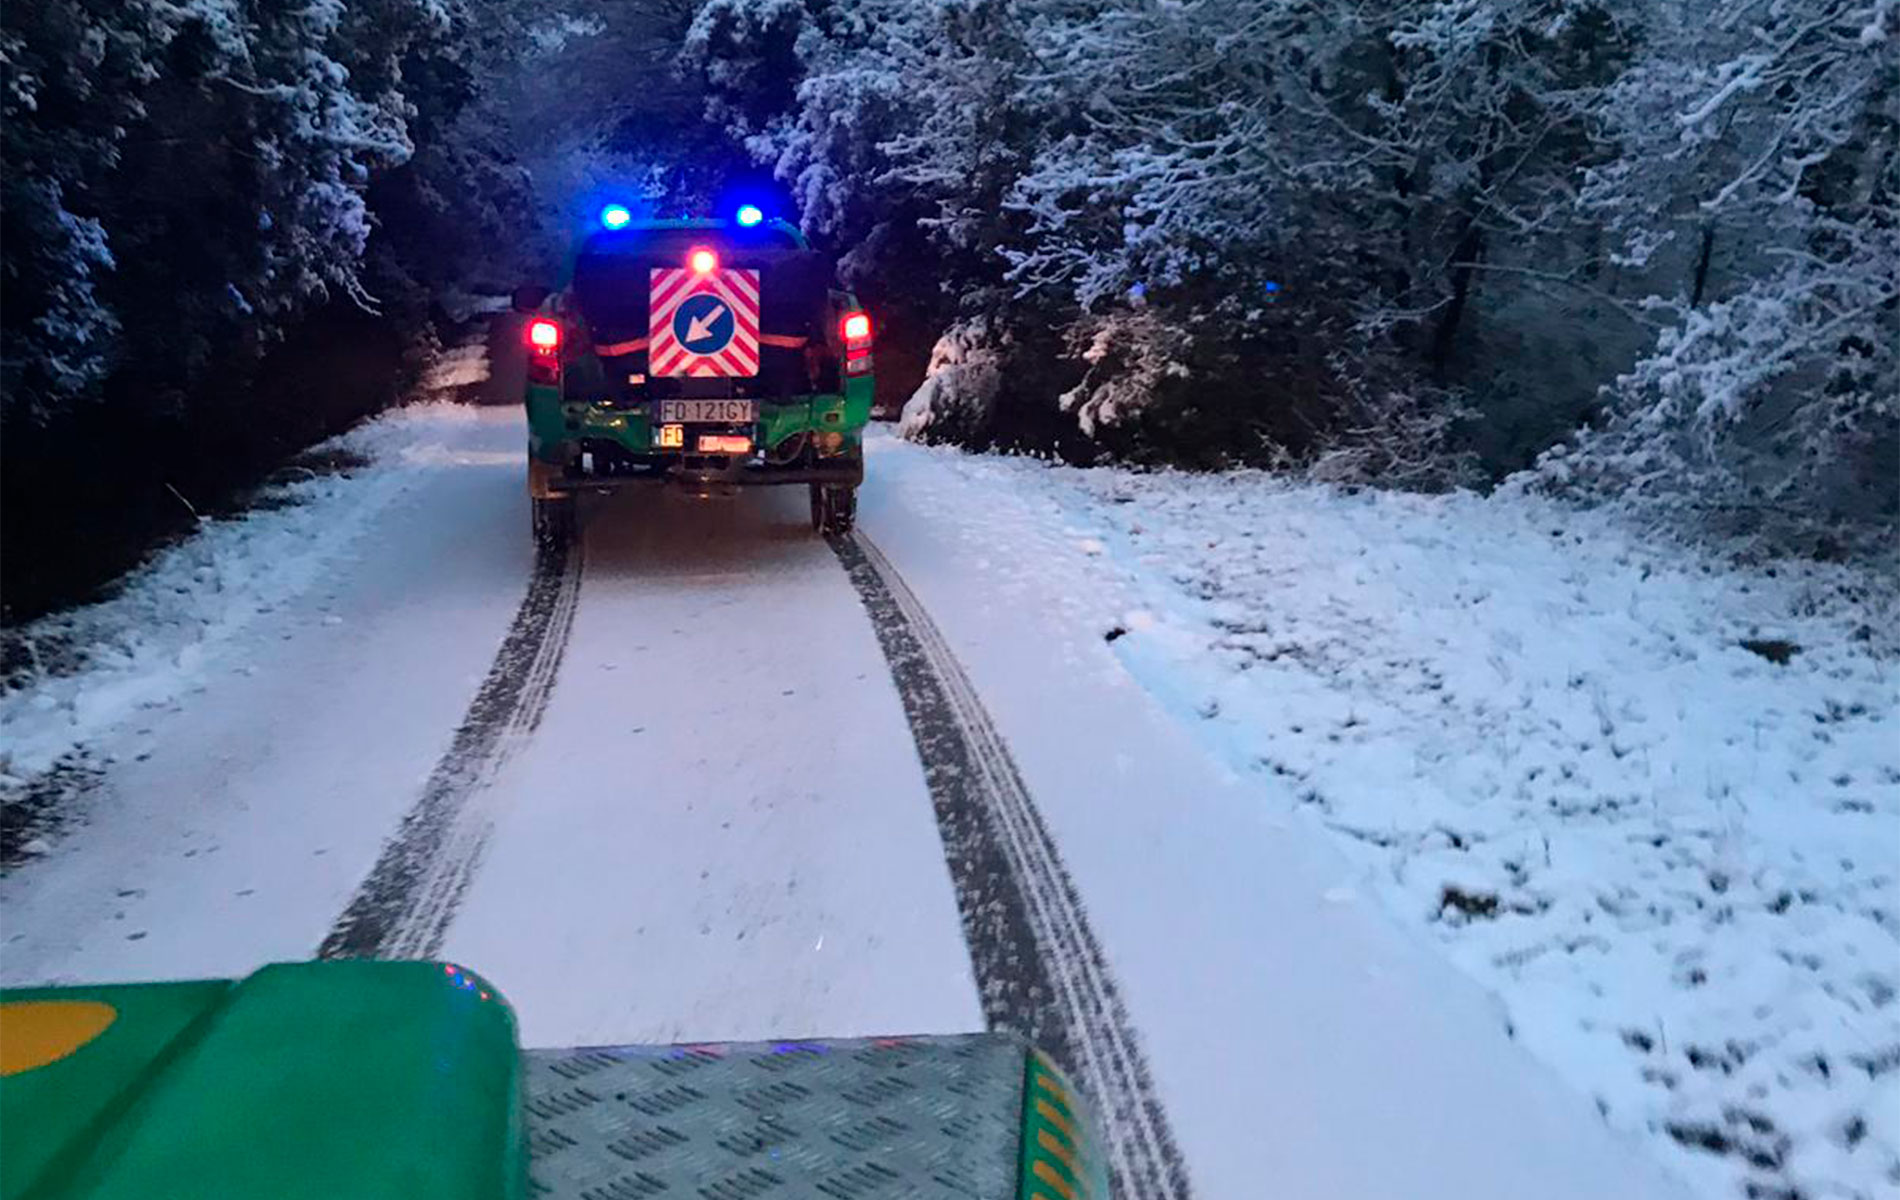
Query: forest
[1631,252]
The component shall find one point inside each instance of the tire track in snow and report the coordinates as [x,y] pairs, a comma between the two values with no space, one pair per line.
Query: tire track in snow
[402,909]
[1038,966]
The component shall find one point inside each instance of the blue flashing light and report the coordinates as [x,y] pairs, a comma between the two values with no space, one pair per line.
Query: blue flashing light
[749,214]
[615,216]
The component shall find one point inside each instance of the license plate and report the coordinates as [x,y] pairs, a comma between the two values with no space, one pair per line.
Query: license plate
[709,412]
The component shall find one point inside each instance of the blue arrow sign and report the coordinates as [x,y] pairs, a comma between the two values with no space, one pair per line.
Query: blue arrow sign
[703,323]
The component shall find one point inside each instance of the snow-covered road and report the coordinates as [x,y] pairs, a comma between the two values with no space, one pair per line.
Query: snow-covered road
[719,830]
[713,778]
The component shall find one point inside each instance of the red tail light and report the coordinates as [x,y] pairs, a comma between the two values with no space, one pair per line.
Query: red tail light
[856,328]
[544,351]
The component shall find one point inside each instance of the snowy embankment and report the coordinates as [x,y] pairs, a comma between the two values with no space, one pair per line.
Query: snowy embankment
[83,671]
[1550,750]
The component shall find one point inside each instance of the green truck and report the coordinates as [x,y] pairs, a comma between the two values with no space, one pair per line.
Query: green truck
[374,1080]
[706,353]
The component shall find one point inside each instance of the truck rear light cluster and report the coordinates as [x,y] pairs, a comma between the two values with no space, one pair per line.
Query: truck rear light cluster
[856,330]
[544,351]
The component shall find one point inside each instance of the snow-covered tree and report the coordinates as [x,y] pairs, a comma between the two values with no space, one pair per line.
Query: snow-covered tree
[1759,158]
[891,122]
[224,225]
[897,129]
[591,104]
[1364,166]
[184,178]
[1270,227]
[957,400]
[72,76]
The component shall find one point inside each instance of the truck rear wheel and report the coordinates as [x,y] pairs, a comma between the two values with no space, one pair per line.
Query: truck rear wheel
[834,508]
[553,521]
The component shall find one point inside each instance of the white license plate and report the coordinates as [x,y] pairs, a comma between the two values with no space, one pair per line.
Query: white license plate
[708,412]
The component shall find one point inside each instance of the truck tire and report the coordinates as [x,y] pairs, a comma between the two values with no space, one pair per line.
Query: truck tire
[553,521]
[834,508]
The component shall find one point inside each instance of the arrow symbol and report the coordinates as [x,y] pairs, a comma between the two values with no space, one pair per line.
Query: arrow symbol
[700,328]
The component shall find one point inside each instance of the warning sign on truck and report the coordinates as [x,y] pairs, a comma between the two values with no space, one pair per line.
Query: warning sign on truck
[703,322]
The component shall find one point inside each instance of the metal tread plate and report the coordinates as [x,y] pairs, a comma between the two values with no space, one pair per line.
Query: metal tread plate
[932,1118]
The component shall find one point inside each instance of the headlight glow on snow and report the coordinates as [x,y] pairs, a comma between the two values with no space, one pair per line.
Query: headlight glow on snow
[749,214]
[615,216]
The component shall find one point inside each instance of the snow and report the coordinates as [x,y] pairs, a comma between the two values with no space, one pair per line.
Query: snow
[1538,742]
[1281,1025]
[240,802]
[460,366]
[960,387]
[466,306]
[156,638]
[720,831]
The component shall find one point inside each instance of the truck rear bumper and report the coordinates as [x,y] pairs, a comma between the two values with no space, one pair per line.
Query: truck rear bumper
[547,481]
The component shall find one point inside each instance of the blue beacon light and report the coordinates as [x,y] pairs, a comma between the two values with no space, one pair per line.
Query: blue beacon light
[615,216]
[749,214]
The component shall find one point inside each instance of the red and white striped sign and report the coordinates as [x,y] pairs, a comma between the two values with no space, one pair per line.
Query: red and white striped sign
[703,322]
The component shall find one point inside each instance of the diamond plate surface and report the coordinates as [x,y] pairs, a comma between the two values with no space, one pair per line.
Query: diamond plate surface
[930,1118]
